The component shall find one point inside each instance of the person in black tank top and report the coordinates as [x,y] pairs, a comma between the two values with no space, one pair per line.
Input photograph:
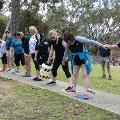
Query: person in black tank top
[79,59]
[57,47]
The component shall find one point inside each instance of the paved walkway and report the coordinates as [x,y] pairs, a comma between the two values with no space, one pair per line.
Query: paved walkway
[99,99]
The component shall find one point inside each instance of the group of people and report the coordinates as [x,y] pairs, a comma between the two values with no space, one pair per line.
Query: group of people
[59,49]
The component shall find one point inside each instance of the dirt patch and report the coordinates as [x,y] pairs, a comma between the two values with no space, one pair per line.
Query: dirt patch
[5,84]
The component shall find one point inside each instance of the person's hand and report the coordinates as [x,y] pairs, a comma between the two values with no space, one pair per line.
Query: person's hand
[63,61]
[107,46]
[35,59]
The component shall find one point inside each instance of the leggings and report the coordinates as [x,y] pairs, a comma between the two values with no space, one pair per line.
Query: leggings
[37,66]
[65,68]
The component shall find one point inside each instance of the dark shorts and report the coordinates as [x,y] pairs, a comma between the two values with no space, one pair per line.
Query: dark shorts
[4,59]
[78,61]
[19,58]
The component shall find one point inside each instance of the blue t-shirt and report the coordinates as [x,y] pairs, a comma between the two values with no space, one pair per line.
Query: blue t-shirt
[17,45]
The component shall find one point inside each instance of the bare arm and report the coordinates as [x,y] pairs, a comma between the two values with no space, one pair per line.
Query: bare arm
[11,50]
[51,54]
[36,53]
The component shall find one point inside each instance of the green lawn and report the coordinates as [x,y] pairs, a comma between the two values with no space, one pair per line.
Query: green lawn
[110,86]
[24,102]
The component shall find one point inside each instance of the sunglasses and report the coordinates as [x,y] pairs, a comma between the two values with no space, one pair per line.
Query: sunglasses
[52,38]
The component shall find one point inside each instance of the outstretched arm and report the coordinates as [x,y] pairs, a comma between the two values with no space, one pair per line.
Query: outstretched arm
[112,46]
[88,41]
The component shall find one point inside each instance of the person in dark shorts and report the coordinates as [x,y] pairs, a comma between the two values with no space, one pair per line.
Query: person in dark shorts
[25,45]
[16,45]
[79,59]
[3,55]
[57,50]
[105,56]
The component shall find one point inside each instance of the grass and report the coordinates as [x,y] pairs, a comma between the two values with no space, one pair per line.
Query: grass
[96,82]
[105,85]
[24,102]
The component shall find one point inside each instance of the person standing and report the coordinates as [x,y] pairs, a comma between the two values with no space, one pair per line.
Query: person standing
[33,42]
[3,55]
[16,46]
[10,58]
[105,57]
[25,45]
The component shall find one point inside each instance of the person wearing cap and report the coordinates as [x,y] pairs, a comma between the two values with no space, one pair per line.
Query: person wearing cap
[10,58]
[16,45]
[3,55]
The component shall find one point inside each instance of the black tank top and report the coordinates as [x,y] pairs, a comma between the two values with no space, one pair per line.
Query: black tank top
[59,48]
[76,47]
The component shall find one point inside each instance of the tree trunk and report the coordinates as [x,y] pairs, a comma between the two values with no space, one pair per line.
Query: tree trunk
[14,26]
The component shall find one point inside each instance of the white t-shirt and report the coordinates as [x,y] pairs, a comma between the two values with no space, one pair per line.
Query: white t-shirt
[2,48]
[32,44]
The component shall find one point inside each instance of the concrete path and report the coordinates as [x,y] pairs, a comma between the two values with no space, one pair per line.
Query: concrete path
[99,99]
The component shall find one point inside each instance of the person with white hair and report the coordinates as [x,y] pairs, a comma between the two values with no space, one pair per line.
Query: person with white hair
[58,47]
[34,40]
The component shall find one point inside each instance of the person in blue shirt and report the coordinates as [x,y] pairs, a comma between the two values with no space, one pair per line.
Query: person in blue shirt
[16,46]
[79,59]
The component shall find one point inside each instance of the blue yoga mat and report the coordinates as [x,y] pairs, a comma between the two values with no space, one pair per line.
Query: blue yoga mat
[81,97]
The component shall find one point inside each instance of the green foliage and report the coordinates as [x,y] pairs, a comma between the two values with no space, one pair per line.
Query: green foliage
[28,18]
[23,102]
[3,21]
[1,4]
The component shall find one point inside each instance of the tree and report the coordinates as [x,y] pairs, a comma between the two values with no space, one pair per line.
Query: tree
[3,21]
[14,26]
[28,18]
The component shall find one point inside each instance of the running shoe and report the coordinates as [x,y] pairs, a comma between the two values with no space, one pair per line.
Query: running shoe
[85,96]
[52,83]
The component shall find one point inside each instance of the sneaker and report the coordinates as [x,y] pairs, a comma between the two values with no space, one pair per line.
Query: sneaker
[85,96]
[27,75]
[104,76]
[110,77]
[8,69]
[35,78]
[38,79]
[3,70]
[52,83]
[70,89]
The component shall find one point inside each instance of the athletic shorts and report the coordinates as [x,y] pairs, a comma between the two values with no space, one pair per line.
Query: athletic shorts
[78,61]
[105,61]
[4,59]
[19,58]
